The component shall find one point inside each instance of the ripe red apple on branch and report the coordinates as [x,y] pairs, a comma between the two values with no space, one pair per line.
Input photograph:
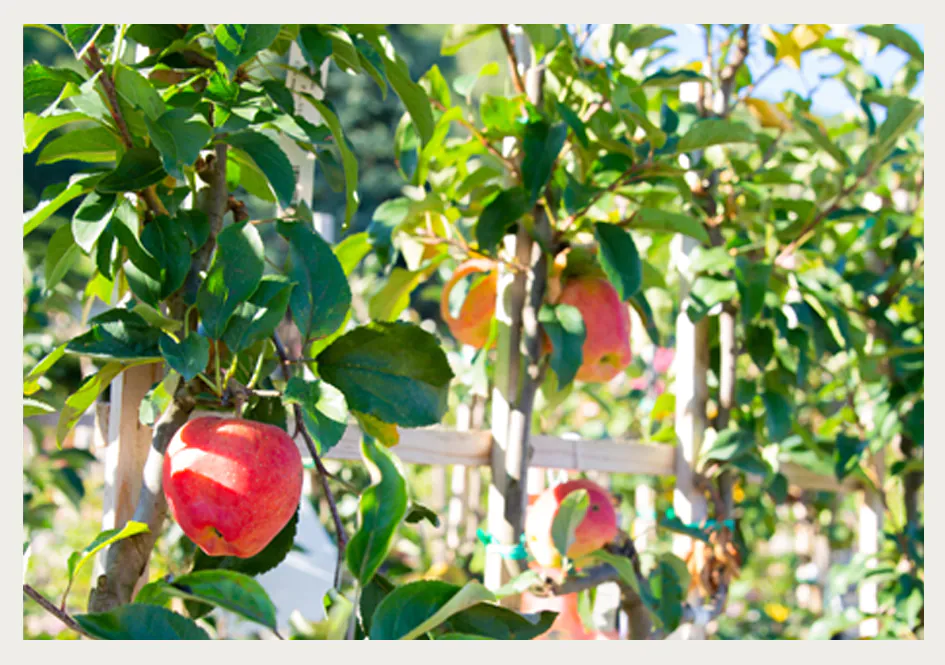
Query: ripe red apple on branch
[232,484]
[598,528]
[578,282]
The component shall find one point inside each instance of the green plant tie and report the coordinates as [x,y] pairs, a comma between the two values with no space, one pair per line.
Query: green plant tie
[514,552]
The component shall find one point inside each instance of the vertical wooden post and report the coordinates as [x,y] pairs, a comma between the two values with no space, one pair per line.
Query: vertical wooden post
[644,503]
[456,508]
[126,451]
[437,535]
[517,301]
[692,361]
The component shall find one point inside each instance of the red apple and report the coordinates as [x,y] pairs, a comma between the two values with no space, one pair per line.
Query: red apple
[598,527]
[607,324]
[232,484]
[471,325]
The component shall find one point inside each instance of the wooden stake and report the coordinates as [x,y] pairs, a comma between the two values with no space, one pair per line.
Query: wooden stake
[126,451]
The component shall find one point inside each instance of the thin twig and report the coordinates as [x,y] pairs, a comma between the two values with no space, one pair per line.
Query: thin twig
[479,136]
[809,229]
[62,615]
[94,62]
[322,471]
[513,61]
[625,178]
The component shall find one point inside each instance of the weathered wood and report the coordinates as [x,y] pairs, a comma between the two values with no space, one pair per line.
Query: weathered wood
[868,539]
[127,449]
[691,364]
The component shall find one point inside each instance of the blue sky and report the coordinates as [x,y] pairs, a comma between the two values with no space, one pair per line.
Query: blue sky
[830,98]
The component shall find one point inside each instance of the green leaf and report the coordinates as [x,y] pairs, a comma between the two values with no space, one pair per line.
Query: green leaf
[500,623]
[270,557]
[91,218]
[31,381]
[188,357]
[714,131]
[411,94]
[620,259]
[847,455]
[36,128]
[160,272]
[823,141]
[234,275]
[665,78]
[759,342]
[639,303]
[77,187]
[315,46]
[408,607]
[777,415]
[393,371]
[321,296]
[565,328]
[138,168]
[348,160]
[180,134]
[394,297]
[574,122]
[102,540]
[118,334]
[902,115]
[43,86]
[61,255]
[138,92]
[156,400]
[323,410]
[640,36]
[623,566]
[371,596]
[465,84]
[33,407]
[270,159]
[541,145]
[351,251]
[382,508]
[571,512]
[89,144]
[730,444]
[344,52]
[668,583]
[80,401]
[237,44]
[418,513]
[256,319]
[889,34]
[461,34]
[230,590]
[140,622]
[80,37]
[707,292]
[498,216]
[753,278]
[655,219]
[472,593]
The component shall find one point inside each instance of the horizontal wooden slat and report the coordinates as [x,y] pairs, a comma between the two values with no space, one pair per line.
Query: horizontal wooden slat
[441,446]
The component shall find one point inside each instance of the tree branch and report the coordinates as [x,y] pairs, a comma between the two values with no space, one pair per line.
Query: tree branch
[62,615]
[94,62]
[730,71]
[513,60]
[126,560]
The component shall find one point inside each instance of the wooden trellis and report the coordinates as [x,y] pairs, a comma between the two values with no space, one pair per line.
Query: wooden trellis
[127,442]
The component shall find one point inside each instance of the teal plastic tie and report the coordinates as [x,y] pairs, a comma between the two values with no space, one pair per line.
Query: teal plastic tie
[513,552]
